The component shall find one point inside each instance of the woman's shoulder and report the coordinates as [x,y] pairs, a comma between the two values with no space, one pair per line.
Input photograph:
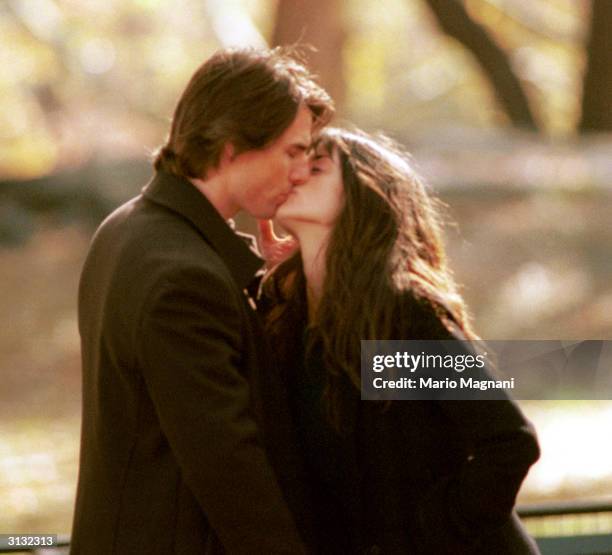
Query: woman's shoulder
[423,318]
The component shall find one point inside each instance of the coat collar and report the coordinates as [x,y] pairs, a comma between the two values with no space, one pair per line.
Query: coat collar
[181,196]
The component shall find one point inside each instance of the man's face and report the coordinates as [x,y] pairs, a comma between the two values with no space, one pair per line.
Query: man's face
[258,181]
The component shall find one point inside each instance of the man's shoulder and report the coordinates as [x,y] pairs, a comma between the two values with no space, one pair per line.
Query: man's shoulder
[145,217]
[145,226]
[143,241]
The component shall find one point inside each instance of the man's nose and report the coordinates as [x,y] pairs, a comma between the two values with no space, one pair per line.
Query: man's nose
[300,172]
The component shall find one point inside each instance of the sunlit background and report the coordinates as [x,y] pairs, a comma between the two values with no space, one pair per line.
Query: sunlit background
[505,105]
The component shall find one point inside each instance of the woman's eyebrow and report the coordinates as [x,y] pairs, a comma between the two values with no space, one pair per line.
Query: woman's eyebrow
[318,157]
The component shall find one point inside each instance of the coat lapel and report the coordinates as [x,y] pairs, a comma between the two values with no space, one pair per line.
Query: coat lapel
[181,196]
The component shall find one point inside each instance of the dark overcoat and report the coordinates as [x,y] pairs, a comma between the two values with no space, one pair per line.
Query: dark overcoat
[186,443]
[426,477]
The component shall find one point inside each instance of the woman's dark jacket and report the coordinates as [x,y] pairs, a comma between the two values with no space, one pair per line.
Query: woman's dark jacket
[422,477]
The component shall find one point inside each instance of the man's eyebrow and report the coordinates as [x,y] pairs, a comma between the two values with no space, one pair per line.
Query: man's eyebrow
[317,157]
[303,147]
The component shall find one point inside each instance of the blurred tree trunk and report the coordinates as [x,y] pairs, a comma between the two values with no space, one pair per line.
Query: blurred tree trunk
[318,23]
[597,85]
[457,23]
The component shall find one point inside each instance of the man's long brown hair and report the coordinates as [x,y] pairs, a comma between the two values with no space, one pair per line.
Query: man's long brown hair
[243,96]
[385,245]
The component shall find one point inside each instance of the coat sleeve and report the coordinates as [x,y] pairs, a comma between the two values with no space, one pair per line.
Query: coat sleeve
[479,498]
[190,350]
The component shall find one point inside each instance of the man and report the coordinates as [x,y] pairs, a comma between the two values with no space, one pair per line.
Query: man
[185,437]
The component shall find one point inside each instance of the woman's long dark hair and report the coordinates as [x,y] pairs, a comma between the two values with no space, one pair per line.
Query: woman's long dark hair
[386,244]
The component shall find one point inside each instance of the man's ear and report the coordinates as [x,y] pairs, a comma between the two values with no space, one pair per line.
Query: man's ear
[228,155]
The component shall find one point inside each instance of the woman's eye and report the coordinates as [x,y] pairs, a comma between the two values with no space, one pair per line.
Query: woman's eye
[314,170]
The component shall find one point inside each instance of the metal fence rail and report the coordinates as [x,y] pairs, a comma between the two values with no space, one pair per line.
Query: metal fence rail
[540,510]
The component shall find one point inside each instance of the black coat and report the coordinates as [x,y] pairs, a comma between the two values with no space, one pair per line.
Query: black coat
[425,477]
[178,403]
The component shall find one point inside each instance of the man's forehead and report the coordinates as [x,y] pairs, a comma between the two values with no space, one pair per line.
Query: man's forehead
[300,130]
[301,141]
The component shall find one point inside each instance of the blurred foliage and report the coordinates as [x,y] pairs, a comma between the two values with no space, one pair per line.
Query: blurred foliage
[99,78]
[84,79]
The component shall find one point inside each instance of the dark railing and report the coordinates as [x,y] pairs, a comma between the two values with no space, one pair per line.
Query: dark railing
[570,528]
[541,510]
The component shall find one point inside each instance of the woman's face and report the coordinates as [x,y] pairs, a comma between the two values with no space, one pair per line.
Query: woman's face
[319,200]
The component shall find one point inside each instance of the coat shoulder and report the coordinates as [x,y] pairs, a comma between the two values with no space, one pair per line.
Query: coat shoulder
[419,318]
[148,240]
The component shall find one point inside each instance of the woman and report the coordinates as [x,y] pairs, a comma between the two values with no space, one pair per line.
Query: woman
[405,476]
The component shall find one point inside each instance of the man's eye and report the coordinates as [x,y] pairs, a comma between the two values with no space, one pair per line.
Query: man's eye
[315,170]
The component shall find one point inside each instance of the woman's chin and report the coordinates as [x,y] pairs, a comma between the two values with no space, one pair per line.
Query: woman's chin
[285,219]
[283,214]
[282,220]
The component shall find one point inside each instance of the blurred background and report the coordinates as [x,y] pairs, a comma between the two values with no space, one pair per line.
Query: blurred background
[505,105]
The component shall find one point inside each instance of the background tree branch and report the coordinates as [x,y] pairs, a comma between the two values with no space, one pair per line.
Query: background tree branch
[457,23]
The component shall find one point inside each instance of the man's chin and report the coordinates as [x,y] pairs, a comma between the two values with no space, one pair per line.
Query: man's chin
[262,214]
[275,212]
